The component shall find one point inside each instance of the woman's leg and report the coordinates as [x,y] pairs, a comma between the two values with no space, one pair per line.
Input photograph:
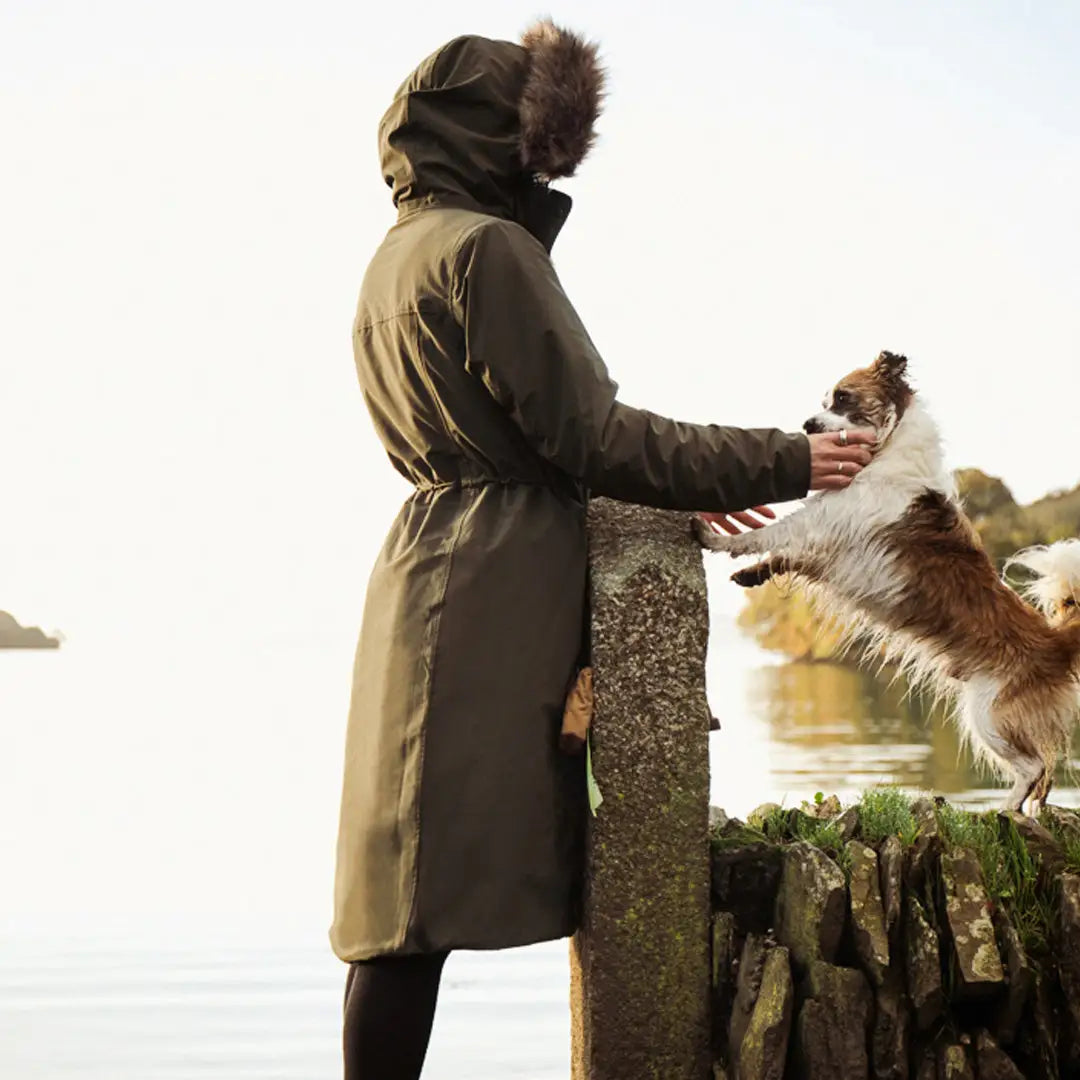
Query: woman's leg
[389,1008]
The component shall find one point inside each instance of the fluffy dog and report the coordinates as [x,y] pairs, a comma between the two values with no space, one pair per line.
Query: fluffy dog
[895,557]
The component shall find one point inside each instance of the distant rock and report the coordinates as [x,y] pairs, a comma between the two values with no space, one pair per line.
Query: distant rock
[15,636]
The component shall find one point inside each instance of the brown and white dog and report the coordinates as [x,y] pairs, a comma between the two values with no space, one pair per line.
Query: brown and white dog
[894,556]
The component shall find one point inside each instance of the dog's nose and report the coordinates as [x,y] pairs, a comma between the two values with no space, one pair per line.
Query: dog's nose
[813,426]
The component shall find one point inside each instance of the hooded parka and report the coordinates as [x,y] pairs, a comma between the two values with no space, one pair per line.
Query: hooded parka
[461,822]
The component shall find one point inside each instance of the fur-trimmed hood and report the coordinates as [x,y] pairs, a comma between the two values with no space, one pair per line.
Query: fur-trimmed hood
[479,122]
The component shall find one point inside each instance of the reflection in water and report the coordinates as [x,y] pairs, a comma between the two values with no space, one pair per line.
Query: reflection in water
[835,728]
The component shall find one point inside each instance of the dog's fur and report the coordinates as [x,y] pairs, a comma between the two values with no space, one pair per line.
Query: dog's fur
[563,93]
[895,557]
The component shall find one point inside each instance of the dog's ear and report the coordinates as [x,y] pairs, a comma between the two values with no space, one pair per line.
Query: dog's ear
[891,365]
[891,368]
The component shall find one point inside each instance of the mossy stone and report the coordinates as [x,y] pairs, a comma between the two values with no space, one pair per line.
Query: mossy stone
[992,1063]
[763,1052]
[1069,945]
[760,814]
[891,872]
[832,1029]
[1020,980]
[953,1063]
[967,912]
[922,957]
[890,1033]
[867,911]
[811,905]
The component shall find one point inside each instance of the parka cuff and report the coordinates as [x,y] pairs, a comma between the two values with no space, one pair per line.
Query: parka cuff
[792,473]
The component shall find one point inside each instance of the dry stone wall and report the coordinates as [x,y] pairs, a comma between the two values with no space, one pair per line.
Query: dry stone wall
[892,940]
[946,947]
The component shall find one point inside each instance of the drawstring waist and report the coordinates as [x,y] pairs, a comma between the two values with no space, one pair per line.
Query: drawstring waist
[569,488]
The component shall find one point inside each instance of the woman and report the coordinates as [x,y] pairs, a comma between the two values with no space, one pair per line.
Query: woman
[461,822]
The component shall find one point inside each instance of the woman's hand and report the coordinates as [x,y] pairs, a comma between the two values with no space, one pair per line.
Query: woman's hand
[730,523]
[837,457]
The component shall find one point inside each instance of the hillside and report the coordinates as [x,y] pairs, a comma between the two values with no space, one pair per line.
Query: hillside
[780,617]
[1005,526]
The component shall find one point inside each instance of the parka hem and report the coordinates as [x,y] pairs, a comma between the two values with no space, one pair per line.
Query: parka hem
[353,956]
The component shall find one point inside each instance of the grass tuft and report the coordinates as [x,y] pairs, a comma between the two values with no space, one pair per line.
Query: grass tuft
[775,825]
[1010,872]
[1068,838]
[785,826]
[886,811]
[825,835]
[1070,843]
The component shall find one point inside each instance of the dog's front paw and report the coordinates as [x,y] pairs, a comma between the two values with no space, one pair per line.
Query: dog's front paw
[707,536]
[750,576]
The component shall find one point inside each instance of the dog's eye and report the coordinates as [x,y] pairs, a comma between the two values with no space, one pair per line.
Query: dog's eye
[1070,602]
[841,398]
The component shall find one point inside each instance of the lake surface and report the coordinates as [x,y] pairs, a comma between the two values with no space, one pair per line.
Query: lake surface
[167,831]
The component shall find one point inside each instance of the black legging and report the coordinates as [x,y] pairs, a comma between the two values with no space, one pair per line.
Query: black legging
[389,1008]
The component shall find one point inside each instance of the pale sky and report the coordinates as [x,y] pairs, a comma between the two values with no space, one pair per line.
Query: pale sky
[190,194]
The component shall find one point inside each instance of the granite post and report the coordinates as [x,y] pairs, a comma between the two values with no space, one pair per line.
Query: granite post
[640,963]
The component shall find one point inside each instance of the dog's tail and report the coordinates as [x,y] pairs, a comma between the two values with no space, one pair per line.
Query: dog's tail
[1055,587]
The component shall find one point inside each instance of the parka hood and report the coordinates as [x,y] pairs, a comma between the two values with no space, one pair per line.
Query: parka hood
[479,122]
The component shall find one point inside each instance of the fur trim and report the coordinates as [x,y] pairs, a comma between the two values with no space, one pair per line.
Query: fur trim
[564,89]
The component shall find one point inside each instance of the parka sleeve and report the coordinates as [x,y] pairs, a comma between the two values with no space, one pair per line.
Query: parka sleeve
[525,342]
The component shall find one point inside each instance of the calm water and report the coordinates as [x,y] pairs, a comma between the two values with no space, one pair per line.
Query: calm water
[166,844]
[119,1008]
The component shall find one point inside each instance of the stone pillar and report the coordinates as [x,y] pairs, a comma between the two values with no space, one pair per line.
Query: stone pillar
[640,963]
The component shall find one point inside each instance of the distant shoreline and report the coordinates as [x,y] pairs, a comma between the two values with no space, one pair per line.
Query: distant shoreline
[13,635]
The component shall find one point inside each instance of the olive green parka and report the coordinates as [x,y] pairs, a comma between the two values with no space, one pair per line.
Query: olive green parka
[461,821]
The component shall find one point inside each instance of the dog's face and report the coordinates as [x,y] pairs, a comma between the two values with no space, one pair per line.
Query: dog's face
[1063,611]
[871,397]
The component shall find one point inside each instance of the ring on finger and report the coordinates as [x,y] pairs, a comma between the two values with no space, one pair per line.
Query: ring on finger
[843,436]
[840,466]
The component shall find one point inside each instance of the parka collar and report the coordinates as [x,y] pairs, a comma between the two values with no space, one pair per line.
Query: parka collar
[543,211]
[539,209]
